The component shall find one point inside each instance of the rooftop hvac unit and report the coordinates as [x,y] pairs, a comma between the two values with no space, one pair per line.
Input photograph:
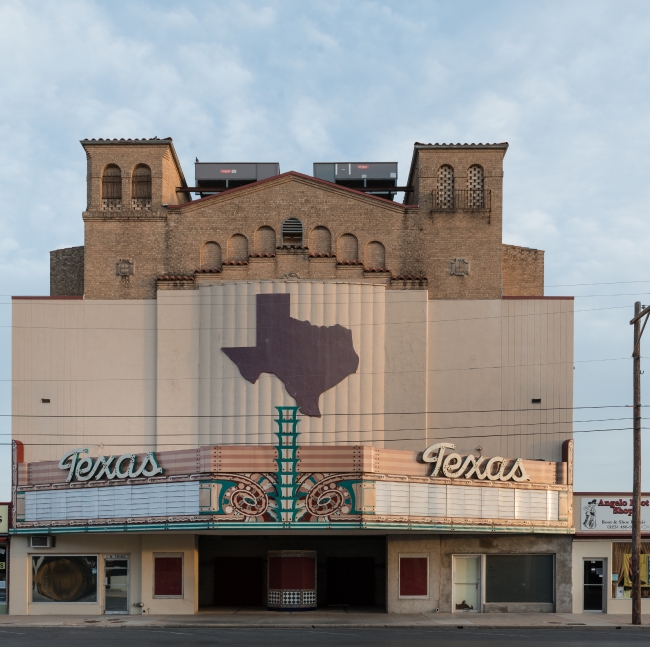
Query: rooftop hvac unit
[376,178]
[221,176]
[41,541]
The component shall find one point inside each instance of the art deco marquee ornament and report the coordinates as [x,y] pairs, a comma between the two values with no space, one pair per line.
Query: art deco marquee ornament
[453,466]
[84,468]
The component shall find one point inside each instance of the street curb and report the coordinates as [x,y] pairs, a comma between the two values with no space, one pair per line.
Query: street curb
[579,627]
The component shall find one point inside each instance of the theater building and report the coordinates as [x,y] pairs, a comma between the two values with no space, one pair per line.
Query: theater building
[292,392]
[602,552]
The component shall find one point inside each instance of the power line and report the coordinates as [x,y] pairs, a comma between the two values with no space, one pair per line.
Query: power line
[367,431]
[273,415]
[358,441]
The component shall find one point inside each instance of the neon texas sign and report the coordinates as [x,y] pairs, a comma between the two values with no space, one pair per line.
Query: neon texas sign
[83,468]
[453,466]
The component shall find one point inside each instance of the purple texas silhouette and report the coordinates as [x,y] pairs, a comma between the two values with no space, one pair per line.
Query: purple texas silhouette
[308,359]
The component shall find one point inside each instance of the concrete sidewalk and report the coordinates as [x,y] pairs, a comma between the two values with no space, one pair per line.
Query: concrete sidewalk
[246,618]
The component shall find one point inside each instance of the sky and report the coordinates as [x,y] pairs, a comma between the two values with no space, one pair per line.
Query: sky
[567,84]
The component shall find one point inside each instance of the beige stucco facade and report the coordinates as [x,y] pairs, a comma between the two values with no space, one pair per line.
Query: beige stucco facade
[138,548]
[149,375]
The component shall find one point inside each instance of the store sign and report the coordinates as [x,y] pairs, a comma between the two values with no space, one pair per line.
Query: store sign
[4,519]
[83,468]
[598,514]
[455,466]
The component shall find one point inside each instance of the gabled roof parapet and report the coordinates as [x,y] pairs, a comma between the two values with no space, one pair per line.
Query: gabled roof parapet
[283,177]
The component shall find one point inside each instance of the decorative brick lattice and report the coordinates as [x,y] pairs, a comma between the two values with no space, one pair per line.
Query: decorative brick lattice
[446,186]
[111,204]
[475,186]
[141,204]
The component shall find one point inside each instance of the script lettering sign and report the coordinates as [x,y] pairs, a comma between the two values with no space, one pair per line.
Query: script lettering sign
[455,466]
[83,468]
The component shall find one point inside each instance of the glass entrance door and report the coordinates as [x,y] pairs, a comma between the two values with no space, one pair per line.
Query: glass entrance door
[116,584]
[594,582]
[467,583]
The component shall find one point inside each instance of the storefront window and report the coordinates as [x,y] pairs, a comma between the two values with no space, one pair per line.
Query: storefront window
[3,578]
[622,570]
[519,578]
[168,576]
[64,578]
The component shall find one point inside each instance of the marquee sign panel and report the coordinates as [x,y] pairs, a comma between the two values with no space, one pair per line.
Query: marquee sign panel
[294,485]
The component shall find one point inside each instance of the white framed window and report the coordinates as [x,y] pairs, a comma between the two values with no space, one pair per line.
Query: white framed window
[413,578]
[168,575]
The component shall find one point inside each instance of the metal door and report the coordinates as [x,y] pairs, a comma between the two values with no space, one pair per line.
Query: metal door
[116,584]
[593,585]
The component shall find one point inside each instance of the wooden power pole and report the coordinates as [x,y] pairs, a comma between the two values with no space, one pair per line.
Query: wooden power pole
[636,496]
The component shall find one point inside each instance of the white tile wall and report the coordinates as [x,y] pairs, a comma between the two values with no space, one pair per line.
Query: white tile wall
[153,500]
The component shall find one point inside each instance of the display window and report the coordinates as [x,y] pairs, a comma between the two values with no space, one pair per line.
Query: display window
[520,578]
[622,570]
[414,575]
[3,577]
[168,576]
[64,578]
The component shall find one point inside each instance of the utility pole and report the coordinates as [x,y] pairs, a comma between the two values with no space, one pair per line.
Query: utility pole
[636,496]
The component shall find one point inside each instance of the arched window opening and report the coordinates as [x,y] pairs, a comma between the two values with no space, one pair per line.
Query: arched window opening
[347,250]
[292,232]
[141,188]
[265,241]
[238,249]
[374,256]
[211,256]
[112,188]
[475,187]
[320,241]
[446,187]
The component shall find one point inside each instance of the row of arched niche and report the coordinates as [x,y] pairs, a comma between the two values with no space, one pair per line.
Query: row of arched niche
[238,248]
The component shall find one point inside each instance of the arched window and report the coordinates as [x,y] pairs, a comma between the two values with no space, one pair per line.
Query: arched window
[238,248]
[374,256]
[347,249]
[265,240]
[320,241]
[112,188]
[292,232]
[211,256]
[141,188]
[475,186]
[446,187]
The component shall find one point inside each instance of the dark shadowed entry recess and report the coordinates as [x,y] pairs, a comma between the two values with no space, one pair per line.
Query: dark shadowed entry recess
[351,581]
[238,582]
[350,570]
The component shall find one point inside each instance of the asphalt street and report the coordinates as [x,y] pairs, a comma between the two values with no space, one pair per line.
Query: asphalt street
[458,637]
